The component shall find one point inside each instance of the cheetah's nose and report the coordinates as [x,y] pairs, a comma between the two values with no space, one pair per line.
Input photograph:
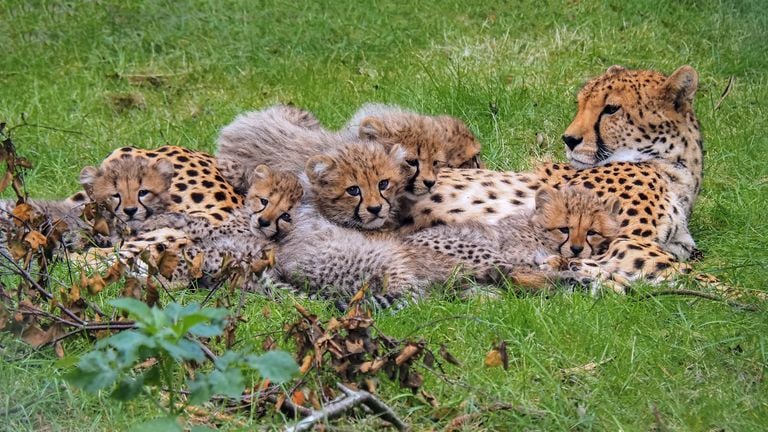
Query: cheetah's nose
[572,141]
[263,222]
[130,211]
[429,183]
[576,250]
[374,210]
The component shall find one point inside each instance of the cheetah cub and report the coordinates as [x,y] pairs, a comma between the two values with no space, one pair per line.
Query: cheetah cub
[267,217]
[564,225]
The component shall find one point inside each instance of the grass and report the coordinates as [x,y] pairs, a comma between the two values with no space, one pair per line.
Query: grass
[698,365]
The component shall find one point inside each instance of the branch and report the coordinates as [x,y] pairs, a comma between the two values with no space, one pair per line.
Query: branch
[351,399]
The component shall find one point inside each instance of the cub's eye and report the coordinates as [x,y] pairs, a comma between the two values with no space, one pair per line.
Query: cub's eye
[264,201]
[353,190]
[383,184]
[286,217]
[592,232]
[610,109]
[564,230]
[412,162]
[143,193]
[116,196]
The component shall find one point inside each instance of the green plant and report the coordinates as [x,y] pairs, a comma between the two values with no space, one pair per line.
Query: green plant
[151,359]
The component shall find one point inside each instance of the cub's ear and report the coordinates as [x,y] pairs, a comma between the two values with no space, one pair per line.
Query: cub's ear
[544,196]
[615,69]
[165,168]
[397,154]
[261,172]
[681,86]
[88,176]
[318,166]
[372,128]
[614,206]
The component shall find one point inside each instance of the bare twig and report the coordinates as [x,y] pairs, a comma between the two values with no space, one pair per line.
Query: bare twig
[338,407]
[726,92]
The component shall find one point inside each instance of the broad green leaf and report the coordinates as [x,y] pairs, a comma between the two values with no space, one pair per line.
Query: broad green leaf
[276,366]
[128,388]
[94,371]
[207,330]
[200,390]
[183,349]
[138,309]
[228,382]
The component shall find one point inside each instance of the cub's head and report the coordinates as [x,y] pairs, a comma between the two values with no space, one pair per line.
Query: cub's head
[430,143]
[134,187]
[462,149]
[358,185]
[272,198]
[634,116]
[575,224]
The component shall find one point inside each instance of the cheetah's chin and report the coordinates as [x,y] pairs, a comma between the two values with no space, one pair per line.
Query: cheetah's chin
[580,164]
[375,223]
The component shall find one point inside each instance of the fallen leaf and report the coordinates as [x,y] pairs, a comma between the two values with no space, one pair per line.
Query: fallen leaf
[35,239]
[95,284]
[447,356]
[22,213]
[167,263]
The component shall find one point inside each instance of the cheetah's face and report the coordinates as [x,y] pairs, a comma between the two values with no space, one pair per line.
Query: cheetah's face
[272,199]
[630,116]
[575,224]
[134,187]
[357,186]
[422,142]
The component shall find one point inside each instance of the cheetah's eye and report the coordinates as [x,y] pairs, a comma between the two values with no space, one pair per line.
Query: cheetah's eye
[286,217]
[592,233]
[611,109]
[564,230]
[353,190]
[143,193]
[383,184]
[264,201]
[116,196]
[412,162]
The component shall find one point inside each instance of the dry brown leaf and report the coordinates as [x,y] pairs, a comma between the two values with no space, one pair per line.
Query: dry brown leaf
[266,312]
[447,356]
[7,178]
[114,273]
[35,239]
[101,225]
[493,358]
[58,349]
[195,266]
[17,249]
[152,295]
[95,284]
[408,352]
[298,398]
[306,364]
[132,288]
[23,213]
[269,344]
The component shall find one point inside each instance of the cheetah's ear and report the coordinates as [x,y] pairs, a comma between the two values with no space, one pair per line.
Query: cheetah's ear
[88,176]
[397,154]
[543,197]
[318,166]
[681,87]
[166,170]
[372,128]
[615,69]
[614,206]
[261,172]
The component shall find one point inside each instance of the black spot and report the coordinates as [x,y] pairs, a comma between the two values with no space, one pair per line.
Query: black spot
[589,185]
[490,210]
[492,195]
[637,231]
[638,263]
[456,210]
[477,201]
[437,222]
[217,216]
[662,266]
[487,183]
[192,173]
[176,198]
[426,211]
[515,202]
[647,233]
[632,212]
[437,198]
[197,197]
[459,186]
[181,186]
[182,159]
[520,194]
[220,196]
[208,184]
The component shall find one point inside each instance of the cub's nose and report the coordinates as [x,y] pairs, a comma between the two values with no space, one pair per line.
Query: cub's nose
[429,183]
[374,210]
[572,141]
[263,222]
[576,250]
[130,211]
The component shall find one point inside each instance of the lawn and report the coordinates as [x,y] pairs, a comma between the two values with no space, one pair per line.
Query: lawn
[77,72]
